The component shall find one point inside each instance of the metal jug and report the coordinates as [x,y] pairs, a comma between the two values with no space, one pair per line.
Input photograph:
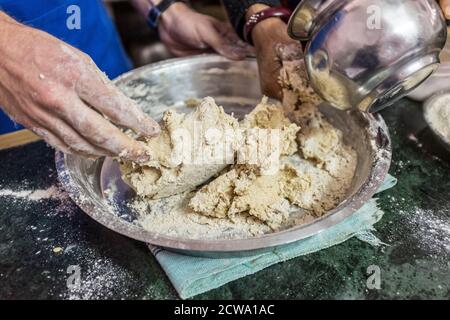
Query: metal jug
[367,54]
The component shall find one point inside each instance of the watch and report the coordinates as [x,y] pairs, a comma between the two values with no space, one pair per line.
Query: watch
[156,11]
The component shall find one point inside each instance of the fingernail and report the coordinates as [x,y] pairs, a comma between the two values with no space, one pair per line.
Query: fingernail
[141,156]
[234,52]
[152,128]
[447,12]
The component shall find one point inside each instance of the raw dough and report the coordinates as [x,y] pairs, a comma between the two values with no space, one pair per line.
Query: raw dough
[182,156]
[317,184]
[251,189]
[217,140]
[314,170]
[243,191]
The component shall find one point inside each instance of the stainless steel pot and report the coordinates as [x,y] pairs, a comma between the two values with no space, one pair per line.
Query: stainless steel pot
[367,54]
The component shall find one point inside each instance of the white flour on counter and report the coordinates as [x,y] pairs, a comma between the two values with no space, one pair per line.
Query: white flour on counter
[52,192]
[430,229]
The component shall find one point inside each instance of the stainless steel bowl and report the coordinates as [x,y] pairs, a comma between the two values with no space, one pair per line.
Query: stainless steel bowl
[367,54]
[439,80]
[235,85]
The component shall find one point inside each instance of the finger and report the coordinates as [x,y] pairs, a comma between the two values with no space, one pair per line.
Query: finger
[231,36]
[101,133]
[67,135]
[100,93]
[37,129]
[271,88]
[214,37]
[52,140]
[43,133]
[181,52]
[269,70]
[46,125]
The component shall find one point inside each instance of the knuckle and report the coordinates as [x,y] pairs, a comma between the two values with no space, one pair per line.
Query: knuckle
[101,139]
[96,133]
[51,98]
[77,145]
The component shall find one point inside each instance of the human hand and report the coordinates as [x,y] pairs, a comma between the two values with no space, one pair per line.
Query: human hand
[186,32]
[58,92]
[445,5]
[268,36]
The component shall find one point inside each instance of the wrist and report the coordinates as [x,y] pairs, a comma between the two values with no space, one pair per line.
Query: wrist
[269,27]
[264,22]
[174,11]
[158,12]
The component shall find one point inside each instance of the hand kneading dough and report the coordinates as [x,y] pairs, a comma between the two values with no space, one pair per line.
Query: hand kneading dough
[164,174]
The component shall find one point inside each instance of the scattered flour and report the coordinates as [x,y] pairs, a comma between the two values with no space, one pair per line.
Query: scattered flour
[430,228]
[433,232]
[35,195]
[103,279]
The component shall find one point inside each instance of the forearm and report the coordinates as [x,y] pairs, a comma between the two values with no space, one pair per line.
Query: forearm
[237,9]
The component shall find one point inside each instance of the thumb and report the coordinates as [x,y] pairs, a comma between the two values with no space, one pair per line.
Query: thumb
[217,36]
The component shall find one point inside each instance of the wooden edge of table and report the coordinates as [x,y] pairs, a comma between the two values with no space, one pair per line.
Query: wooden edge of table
[17,138]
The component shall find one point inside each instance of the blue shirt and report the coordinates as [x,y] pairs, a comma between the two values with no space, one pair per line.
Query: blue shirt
[95,33]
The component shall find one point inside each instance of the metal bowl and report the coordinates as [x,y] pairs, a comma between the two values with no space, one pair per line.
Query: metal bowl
[367,54]
[235,86]
[439,80]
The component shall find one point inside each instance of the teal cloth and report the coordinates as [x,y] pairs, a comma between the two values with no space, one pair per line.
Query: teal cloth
[194,275]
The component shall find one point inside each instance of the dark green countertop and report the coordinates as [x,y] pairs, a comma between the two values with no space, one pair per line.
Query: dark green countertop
[415,264]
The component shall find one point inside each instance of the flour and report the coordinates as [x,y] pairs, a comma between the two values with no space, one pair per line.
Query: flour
[52,192]
[103,279]
[432,232]
[438,116]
